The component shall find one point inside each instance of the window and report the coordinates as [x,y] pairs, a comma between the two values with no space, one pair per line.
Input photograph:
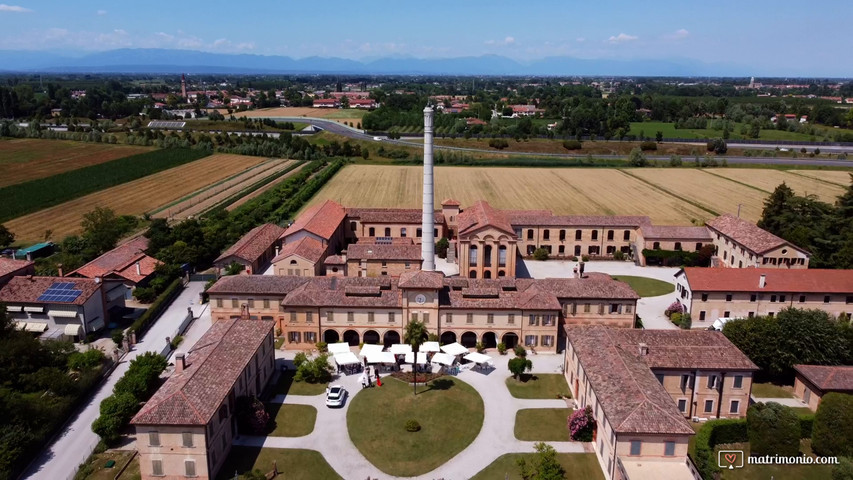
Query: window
[709,406]
[561,249]
[682,405]
[419,233]
[153,439]
[530,234]
[353,226]
[656,246]
[266,303]
[370,317]
[636,447]
[157,468]
[772,298]
[391,317]
[614,308]
[738,383]
[562,235]
[546,234]
[510,319]
[387,231]
[472,255]
[426,318]
[330,316]
[727,314]
[628,309]
[826,299]
[402,232]
[350,316]
[219,302]
[235,303]
[669,449]
[704,297]
[384,264]
[309,317]
[408,264]
[659,376]
[685,382]
[702,315]
[448,318]
[586,308]
[728,297]
[490,318]
[750,314]
[802,299]
[251,303]
[547,340]
[735,406]
[469,318]
[414,316]
[310,337]
[753,297]
[189,468]
[371,232]
[435,232]
[187,439]
[534,320]
[849,300]
[292,317]
[594,235]
[782,298]
[293,337]
[610,235]
[712,381]
[530,340]
[578,234]
[626,235]
[699,246]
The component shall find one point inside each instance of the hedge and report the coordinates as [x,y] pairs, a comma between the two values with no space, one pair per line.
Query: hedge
[157,307]
[673,258]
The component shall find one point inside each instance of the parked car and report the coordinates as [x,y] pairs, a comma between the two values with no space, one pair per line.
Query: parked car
[335,396]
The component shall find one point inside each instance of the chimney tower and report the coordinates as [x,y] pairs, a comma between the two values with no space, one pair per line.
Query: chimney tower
[184,87]
[428,221]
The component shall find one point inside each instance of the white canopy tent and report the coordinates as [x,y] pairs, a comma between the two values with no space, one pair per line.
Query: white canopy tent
[381,357]
[430,347]
[346,358]
[410,358]
[477,358]
[340,347]
[454,349]
[368,349]
[401,348]
[443,359]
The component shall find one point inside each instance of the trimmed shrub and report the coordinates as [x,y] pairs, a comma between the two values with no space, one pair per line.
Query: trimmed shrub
[502,348]
[540,254]
[322,347]
[648,146]
[117,336]
[686,321]
[844,469]
[619,255]
[413,426]
[157,307]
[441,247]
[519,351]
[773,429]
[498,143]
[572,145]
[519,365]
[806,425]
[317,370]
[711,434]
[832,433]
[81,361]
[481,347]
[581,425]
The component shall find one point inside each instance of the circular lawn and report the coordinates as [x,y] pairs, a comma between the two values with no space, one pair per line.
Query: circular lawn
[449,411]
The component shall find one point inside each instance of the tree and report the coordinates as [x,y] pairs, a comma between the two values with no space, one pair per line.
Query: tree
[251,415]
[540,254]
[637,158]
[844,469]
[519,365]
[773,429]
[6,236]
[415,335]
[832,433]
[658,136]
[581,425]
[775,208]
[545,465]
[101,229]
[316,370]
[441,247]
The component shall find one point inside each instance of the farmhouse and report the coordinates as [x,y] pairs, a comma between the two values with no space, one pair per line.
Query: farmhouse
[55,307]
[740,244]
[186,429]
[709,294]
[327,103]
[376,310]
[812,382]
[644,385]
[9,268]
[254,250]
[122,269]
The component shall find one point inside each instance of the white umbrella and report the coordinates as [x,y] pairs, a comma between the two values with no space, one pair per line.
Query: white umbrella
[401,348]
[367,349]
[410,357]
[381,357]
[341,347]
[443,359]
[454,349]
[430,347]
[347,358]
[477,358]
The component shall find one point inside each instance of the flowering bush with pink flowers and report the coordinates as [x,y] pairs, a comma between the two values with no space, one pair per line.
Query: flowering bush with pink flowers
[674,307]
[581,425]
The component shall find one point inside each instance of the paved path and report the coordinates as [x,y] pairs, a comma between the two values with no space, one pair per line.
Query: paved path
[650,309]
[75,443]
[495,438]
[788,402]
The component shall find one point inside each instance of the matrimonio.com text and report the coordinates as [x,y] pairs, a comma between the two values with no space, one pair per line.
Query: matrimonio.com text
[732,459]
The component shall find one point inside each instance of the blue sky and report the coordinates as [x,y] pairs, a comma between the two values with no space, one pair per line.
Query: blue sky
[755,33]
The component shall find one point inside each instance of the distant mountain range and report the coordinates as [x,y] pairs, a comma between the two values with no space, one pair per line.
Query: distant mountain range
[190,61]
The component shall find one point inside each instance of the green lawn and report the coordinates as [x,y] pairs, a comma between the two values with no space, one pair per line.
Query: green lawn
[95,467]
[297,463]
[346,113]
[286,385]
[279,341]
[578,465]
[668,129]
[770,390]
[777,472]
[646,287]
[449,411]
[543,385]
[292,420]
[542,424]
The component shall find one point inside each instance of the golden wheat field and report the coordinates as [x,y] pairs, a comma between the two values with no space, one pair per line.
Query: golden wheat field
[132,198]
[768,180]
[831,176]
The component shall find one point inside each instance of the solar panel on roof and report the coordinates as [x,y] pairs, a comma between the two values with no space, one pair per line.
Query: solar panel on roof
[60,292]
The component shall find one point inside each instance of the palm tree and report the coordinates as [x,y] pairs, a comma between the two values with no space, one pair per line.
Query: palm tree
[415,335]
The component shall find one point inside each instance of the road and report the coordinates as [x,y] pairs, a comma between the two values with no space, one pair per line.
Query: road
[77,441]
[355,134]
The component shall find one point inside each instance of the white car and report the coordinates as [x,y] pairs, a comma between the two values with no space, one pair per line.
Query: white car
[377,139]
[335,396]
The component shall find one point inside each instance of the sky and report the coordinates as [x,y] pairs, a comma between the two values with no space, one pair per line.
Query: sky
[759,33]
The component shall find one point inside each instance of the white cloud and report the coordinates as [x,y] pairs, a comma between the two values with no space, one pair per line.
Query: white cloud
[13,8]
[678,34]
[101,12]
[509,41]
[505,42]
[580,39]
[622,38]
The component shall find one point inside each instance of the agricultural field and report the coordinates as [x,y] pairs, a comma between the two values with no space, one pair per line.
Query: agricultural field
[131,198]
[541,145]
[353,115]
[830,176]
[24,159]
[669,131]
[271,185]
[768,180]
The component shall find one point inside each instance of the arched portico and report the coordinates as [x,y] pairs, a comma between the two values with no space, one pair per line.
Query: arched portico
[469,339]
[352,337]
[331,336]
[510,340]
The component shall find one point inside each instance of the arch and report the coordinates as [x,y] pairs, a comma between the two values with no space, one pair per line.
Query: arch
[390,338]
[487,255]
[490,340]
[448,337]
[469,339]
[331,336]
[501,273]
[352,337]
[293,262]
[510,339]
[371,336]
[487,274]
[472,274]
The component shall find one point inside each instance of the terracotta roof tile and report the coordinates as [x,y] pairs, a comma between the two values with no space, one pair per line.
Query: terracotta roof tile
[218,359]
[422,279]
[667,232]
[828,378]
[345,292]
[593,285]
[334,260]
[482,215]
[533,217]
[391,215]
[746,233]
[121,261]
[253,244]
[777,280]
[259,284]
[9,265]
[306,247]
[450,201]
[362,251]
[321,219]
[29,289]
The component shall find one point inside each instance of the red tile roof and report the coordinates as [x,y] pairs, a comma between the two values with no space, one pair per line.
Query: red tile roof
[810,280]
[29,289]
[450,202]
[828,378]
[252,245]
[257,284]
[193,396]
[482,215]
[593,285]
[9,265]
[334,260]
[422,279]
[391,215]
[121,261]
[345,292]
[308,248]
[365,251]
[667,232]
[321,219]
[546,218]
[747,234]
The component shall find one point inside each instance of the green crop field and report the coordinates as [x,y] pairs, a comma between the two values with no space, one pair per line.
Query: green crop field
[28,197]
[669,131]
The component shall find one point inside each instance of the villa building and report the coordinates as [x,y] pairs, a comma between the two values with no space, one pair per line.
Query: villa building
[644,387]
[253,251]
[812,382]
[122,269]
[709,294]
[187,428]
[742,244]
[10,268]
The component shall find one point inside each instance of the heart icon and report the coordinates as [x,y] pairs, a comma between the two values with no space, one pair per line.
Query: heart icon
[731,457]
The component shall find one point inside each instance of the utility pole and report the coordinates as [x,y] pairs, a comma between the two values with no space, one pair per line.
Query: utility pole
[738,209]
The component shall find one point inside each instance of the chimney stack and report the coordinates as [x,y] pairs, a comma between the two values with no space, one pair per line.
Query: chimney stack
[59,269]
[762,281]
[98,280]
[644,349]
[277,250]
[180,362]
[138,269]
[428,221]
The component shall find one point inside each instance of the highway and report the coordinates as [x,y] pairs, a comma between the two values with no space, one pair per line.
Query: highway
[337,128]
